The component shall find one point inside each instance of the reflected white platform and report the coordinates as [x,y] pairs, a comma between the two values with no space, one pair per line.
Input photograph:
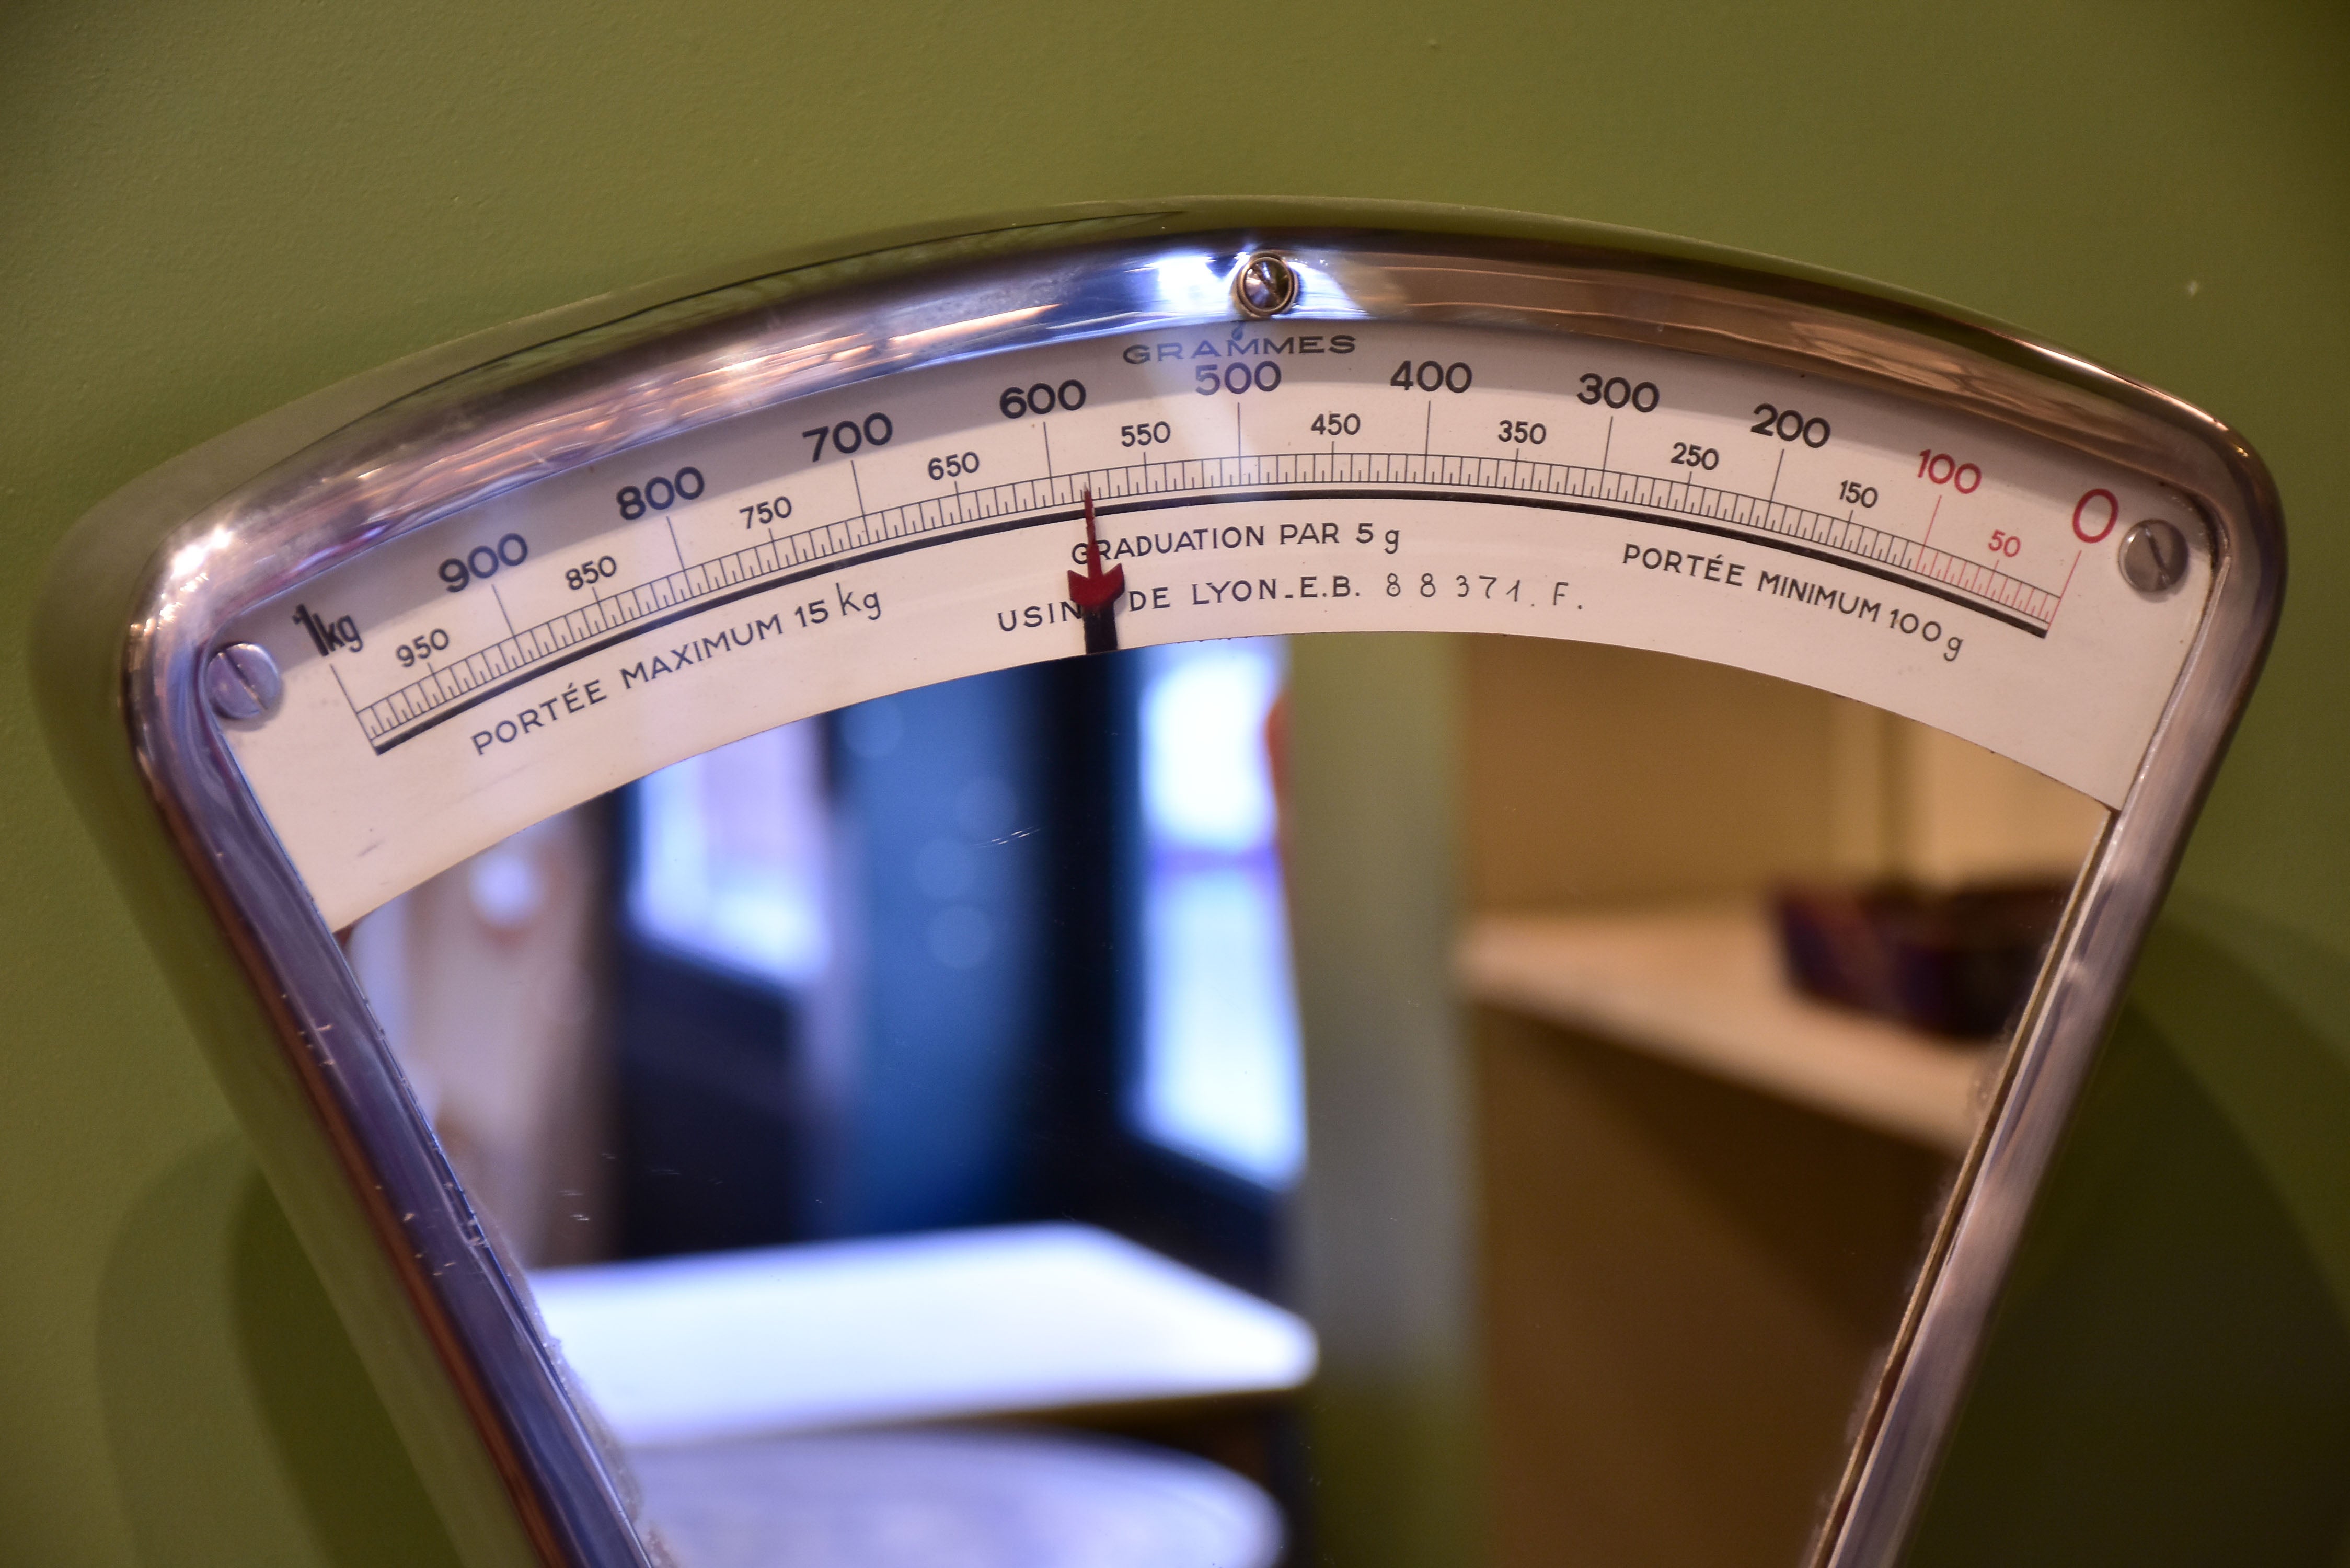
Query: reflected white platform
[952,1324]
[954,1498]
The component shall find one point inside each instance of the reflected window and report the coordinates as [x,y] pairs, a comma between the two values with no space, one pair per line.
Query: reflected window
[728,863]
[1220,1074]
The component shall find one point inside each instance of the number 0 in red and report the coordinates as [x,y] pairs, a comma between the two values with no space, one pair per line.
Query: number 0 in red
[2081,513]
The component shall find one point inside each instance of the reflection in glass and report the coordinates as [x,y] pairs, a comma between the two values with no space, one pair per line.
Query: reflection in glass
[1702,1196]
[1220,1070]
[902,1113]
[899,1096]
[729,866]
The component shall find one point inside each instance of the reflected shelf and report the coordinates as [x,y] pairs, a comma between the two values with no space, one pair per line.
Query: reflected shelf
[1702,987]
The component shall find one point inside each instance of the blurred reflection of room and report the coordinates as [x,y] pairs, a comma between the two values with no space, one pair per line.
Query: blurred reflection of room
[931,1060]
[940,1060]
[1602,1268]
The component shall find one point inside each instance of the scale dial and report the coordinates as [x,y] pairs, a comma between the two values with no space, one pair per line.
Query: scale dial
[1293,474]
[380,632]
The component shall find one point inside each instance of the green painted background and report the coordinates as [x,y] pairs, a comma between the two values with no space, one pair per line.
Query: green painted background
[207,210]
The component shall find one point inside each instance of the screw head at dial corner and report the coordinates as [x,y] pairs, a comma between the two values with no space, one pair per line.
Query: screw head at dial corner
[1264,285]
[241,681]
[2153,557]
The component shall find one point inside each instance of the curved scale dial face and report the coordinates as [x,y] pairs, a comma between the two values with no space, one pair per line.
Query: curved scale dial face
[1290,475]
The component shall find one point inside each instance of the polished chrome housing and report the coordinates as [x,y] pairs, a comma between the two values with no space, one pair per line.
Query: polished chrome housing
[148,582]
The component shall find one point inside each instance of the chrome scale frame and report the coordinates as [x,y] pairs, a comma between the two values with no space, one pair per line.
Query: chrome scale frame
[356,466]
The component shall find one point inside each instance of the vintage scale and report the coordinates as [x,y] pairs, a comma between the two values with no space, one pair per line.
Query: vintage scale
[333,653]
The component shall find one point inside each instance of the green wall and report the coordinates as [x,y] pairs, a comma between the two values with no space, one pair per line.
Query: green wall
[206,211]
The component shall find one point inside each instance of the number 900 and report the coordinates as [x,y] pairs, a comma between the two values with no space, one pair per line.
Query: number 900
[483,561]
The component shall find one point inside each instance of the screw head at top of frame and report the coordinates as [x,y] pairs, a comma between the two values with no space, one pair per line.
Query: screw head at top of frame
[1263,286]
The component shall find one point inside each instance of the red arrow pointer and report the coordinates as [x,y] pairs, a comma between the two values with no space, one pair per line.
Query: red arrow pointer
[1095,592]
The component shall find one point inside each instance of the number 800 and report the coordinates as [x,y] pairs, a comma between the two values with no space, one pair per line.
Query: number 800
[660,494]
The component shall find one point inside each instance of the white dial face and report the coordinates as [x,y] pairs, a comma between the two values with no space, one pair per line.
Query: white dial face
[1290,476]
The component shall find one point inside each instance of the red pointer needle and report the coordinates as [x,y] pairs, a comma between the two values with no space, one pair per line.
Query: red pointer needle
[1095,591]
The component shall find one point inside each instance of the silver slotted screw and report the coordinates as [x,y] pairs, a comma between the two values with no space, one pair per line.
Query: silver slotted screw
[243,682]
[1264,285]
[2153,557]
